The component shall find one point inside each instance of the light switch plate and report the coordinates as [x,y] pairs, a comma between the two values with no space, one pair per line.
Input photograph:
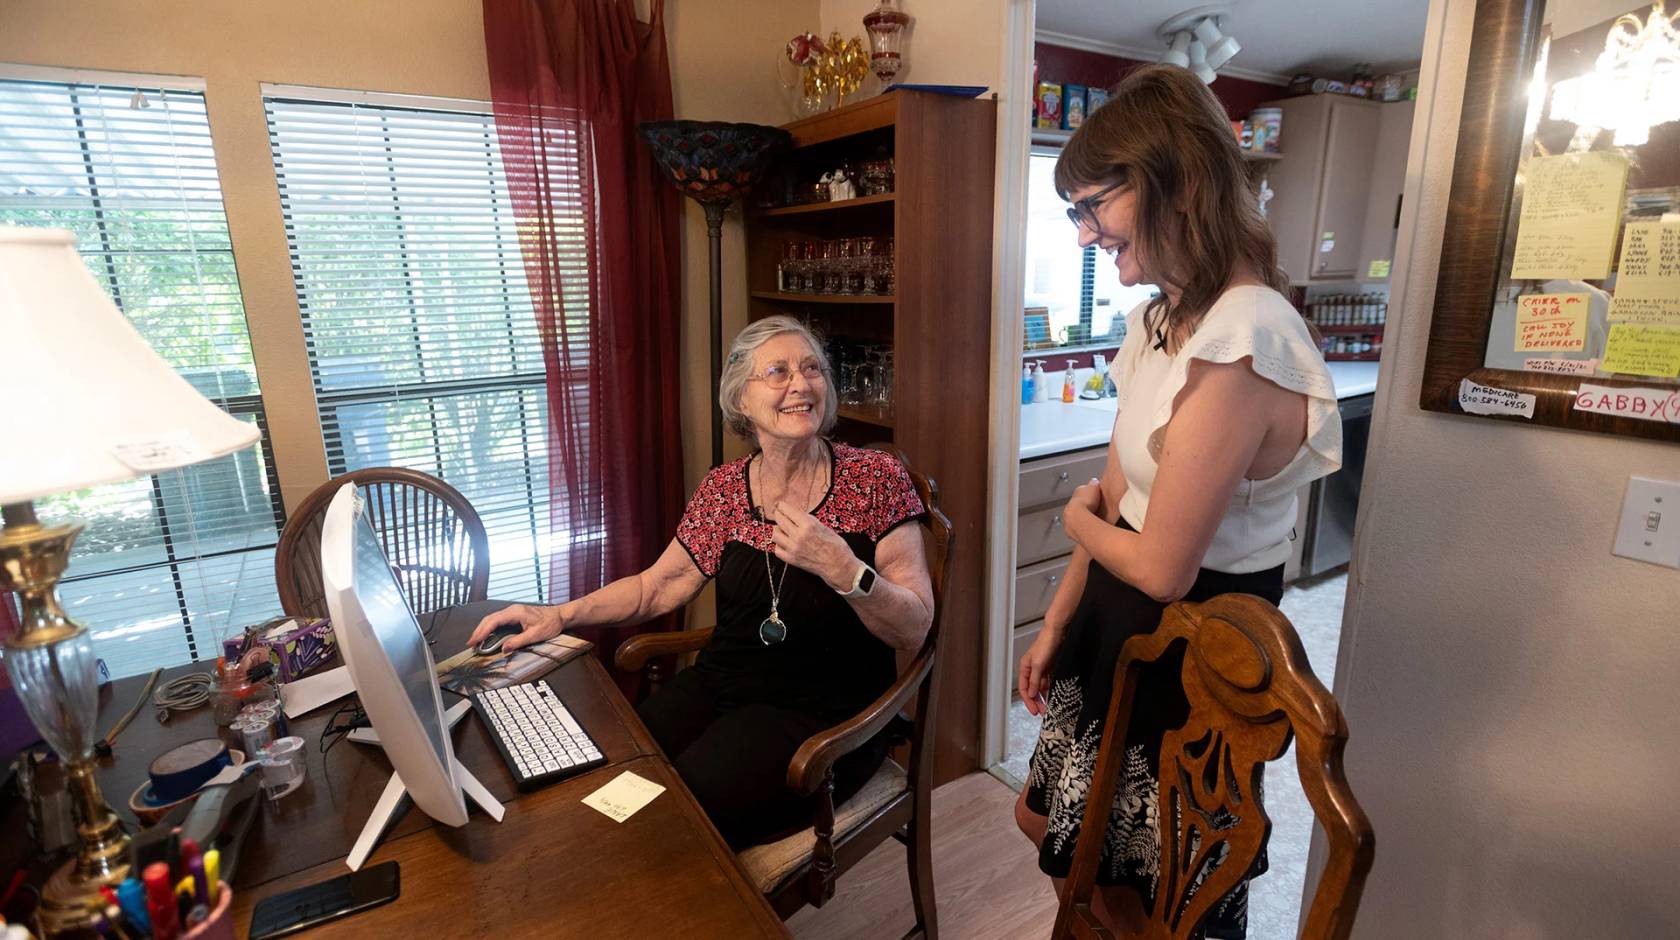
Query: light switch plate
[1649,529]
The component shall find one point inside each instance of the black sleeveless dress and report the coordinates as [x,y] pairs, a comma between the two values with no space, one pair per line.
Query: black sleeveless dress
[1109,613]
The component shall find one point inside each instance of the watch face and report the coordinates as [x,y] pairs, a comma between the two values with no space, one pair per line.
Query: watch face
[867,582]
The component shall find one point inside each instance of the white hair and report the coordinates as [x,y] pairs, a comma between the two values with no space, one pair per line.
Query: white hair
[738,368]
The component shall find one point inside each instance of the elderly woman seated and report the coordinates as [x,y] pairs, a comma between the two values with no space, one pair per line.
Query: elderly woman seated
[819,580]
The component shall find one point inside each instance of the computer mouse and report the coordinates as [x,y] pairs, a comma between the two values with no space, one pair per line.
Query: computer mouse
[492,644]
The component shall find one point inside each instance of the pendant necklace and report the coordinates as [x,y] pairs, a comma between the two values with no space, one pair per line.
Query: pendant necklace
[771,630]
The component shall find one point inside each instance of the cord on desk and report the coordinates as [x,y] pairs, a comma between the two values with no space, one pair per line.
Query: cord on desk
[183,693]
[345,719]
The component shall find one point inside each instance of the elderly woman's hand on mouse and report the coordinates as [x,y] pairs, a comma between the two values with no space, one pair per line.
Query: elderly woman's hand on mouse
[535,624]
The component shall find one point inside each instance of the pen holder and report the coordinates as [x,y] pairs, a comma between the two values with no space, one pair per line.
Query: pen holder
[219,925]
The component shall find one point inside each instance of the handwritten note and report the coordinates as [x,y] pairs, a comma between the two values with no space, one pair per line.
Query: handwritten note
[1486,400]
[1572,204]
[1646,404]
[624,796]
[1561,366]
[1643,350]
[1552,322]
[1648,275]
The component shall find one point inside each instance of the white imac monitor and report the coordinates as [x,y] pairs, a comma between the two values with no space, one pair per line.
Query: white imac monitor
[389,662]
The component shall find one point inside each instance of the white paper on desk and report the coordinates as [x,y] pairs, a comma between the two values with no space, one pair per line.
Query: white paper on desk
[621,798]
[311,692]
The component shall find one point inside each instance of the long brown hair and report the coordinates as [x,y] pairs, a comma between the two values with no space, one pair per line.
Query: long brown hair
[1168,139]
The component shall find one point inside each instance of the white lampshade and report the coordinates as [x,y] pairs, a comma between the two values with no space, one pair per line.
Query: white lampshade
[1179,53]
[1220,48]
[83,399]
[1199,63]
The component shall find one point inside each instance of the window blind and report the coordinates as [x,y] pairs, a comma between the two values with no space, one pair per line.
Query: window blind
[421,337]
[167,564]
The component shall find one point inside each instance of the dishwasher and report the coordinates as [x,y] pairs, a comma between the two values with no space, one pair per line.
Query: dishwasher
[1335,499]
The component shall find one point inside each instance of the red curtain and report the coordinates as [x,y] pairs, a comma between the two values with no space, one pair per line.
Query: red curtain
[570,80]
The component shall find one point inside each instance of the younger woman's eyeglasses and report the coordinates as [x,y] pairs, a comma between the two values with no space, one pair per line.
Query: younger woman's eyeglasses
[780,374]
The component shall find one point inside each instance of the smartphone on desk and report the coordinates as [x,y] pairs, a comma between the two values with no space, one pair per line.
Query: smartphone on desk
[316,904]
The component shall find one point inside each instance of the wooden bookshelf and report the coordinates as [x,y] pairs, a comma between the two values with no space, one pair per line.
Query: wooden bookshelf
[939,324]
[784,298]
[844,205]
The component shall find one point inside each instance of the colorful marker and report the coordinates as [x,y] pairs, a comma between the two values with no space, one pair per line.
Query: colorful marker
[160,902]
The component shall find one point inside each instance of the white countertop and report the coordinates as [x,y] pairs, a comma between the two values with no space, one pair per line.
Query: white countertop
[1056,428]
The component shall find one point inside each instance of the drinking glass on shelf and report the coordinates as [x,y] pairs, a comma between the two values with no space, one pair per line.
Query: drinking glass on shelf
[828,279]
[882,279]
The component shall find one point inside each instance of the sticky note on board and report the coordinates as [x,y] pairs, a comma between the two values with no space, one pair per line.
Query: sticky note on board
[623,796]
[1552,322]
[1642,350]
[1378,268]
[1648,275]
[1572,205]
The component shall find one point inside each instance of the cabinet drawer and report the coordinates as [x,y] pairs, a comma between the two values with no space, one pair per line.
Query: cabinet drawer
[1019,643]
[1039,536]
[1052,481]
[1035,588]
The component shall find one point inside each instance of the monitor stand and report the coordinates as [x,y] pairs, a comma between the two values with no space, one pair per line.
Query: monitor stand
[391,801]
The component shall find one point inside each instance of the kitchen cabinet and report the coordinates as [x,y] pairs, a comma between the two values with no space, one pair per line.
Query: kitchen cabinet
[1388,180]
[1042,549]
[1321,185]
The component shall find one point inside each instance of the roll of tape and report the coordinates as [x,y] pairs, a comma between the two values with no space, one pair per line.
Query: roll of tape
[179,771]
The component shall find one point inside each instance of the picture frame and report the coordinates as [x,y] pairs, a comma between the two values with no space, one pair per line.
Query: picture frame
[1508,37]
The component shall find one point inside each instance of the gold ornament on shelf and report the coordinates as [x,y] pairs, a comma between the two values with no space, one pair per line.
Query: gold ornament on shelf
[842,67]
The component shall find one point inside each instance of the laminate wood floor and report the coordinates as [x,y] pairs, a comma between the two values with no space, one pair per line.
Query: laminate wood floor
[985,875]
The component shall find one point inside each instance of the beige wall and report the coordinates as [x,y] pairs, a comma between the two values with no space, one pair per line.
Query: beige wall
[1509,684]
[720,70]
[950,42]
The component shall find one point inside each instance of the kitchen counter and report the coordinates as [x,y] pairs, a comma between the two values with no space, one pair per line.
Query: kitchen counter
[1057,428]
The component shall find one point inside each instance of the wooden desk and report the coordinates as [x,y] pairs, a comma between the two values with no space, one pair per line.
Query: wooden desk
[552,864]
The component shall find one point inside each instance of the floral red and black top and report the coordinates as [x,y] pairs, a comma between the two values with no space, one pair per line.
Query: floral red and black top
[830,664]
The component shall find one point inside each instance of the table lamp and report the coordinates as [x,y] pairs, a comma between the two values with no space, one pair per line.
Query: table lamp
[83,401]
[712,162]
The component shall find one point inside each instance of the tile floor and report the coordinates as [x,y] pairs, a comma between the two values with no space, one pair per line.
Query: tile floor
[1315,608]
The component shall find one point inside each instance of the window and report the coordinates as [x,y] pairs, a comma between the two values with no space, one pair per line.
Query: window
[1087,303]
[168,564]
[421,338]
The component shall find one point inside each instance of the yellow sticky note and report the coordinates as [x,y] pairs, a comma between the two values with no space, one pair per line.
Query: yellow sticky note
[1571,206]
[1378,268]
[624,796]
[1642,350]
[1648,275]
[1551,322]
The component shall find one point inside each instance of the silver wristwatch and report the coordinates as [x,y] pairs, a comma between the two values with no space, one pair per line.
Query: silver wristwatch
[863,583]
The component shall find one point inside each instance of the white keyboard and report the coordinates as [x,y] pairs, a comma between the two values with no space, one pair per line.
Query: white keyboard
[536,733]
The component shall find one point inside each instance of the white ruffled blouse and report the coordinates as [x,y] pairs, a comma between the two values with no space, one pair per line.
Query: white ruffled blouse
[1247,321]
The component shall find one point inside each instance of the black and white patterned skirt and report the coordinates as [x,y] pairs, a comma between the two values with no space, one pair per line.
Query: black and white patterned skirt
[1109,613]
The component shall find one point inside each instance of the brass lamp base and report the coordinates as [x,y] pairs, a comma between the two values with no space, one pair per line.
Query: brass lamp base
[50,660]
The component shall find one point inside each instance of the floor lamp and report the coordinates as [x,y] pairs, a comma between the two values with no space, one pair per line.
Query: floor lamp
[712,162]
[83,401]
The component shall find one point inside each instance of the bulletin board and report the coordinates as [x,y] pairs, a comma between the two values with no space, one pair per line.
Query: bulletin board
[1558,301]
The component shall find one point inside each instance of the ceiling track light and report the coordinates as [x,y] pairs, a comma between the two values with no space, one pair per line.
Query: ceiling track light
[1196,41]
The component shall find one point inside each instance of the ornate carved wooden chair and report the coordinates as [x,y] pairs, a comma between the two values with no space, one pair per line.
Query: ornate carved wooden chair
[802,868]
[1250,689]
[431,534]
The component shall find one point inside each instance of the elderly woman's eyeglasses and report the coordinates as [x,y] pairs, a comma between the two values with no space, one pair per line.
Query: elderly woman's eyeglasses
[1084,211]
[779,375]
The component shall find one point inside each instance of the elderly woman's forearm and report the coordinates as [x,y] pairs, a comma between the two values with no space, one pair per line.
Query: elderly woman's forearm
[898,616]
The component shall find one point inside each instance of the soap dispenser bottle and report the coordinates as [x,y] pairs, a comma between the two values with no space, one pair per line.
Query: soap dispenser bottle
[1068,380]
[1026,384]
[1041,383]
